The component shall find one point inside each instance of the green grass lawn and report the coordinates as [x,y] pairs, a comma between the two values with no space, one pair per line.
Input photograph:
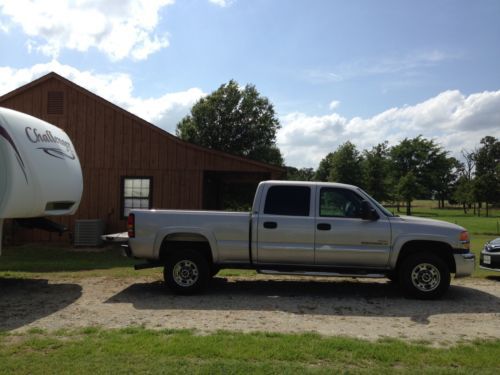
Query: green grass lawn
[137,350]
[64,262]
[476,225]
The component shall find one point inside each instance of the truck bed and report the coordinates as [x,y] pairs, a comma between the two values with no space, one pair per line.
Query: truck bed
[229,232]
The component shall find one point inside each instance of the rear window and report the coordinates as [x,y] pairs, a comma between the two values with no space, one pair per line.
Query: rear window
[288,201]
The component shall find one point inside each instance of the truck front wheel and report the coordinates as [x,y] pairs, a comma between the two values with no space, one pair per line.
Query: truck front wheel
[186,272]
[424,276]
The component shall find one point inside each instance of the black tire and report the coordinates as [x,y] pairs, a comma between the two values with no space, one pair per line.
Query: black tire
[214,270]
[186,272]
[424,276]
[393,276]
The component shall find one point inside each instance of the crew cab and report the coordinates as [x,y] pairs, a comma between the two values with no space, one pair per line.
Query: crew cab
[302,228]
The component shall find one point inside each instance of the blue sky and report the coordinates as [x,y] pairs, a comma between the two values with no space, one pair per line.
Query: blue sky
[364,71]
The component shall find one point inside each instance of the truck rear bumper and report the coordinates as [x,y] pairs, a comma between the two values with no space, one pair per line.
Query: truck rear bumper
[465,264]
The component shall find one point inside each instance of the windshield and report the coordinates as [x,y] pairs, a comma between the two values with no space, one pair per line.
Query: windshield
[378,205]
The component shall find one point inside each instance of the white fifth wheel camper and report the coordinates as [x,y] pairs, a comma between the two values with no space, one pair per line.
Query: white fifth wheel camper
[40,174]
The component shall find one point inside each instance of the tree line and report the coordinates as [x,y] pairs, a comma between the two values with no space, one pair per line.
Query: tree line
[240,121]
[416,168]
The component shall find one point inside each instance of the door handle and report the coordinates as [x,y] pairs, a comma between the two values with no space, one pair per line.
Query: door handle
[324,226]
[270,225]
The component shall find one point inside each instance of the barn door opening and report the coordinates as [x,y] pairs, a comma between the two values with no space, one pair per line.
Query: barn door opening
[231,191]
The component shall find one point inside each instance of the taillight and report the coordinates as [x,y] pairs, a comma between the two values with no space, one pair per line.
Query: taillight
[131,225]
[464,239]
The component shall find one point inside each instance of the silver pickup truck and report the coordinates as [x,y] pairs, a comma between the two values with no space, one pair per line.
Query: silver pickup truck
[302,228]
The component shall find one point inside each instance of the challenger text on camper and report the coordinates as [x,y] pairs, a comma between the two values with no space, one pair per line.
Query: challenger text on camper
[47,137]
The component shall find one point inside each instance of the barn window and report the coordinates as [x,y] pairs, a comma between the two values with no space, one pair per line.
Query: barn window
[55,103]
[136,193]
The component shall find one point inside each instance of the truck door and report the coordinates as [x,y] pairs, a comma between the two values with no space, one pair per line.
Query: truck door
[285,228]
[343,238]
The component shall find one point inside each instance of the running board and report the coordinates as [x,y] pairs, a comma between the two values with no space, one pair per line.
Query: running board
[151,264]
[316,273]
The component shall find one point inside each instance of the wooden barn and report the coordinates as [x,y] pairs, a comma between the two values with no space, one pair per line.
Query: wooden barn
[128,162]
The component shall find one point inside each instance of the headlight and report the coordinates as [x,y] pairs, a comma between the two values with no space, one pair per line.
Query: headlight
[491,248]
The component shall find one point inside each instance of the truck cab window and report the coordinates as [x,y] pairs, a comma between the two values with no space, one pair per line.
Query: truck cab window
[339,203]
[288,201]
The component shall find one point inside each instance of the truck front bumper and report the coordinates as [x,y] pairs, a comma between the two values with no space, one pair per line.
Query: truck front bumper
[465,264]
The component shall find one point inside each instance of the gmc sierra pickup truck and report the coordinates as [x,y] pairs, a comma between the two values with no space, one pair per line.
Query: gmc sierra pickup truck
[302,228]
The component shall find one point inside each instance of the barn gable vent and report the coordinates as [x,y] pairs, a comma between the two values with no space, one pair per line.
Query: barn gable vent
[55,103]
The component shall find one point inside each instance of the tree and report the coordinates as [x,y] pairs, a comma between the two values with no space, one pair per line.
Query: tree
[464,192]
[234,120]
[325,165]
[469,164]
[426,162]
[487,182]
[376,170]
[345,165]
[407,189]
[444,176]
[464,187]
[302,174]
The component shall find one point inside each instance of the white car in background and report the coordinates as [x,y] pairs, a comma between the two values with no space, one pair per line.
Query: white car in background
[490,255]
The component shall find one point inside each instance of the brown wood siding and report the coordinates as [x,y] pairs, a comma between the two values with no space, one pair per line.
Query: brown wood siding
[112,143]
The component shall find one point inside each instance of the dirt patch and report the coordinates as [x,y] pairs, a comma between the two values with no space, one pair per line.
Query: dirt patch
[357,308]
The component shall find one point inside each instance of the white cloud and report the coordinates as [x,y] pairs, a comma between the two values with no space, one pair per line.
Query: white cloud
[164,111]
[222,3]
[3,27]
[118,28]
[334,104]
[408,64]
[452,119]
[321,76]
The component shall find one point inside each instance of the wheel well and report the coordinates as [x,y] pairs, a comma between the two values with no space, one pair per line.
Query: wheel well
[441,249]
[185,241]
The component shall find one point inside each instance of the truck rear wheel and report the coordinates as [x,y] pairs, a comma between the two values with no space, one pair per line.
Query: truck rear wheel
[393,276]
[186,272]
[214,270]
[424,276]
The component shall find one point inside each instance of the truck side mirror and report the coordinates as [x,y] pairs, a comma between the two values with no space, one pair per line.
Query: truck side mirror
[368,212]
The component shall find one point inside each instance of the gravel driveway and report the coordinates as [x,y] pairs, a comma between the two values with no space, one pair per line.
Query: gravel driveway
[361,308]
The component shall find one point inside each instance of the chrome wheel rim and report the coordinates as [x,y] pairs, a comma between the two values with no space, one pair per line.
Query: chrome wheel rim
[185,273]
[425,277]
